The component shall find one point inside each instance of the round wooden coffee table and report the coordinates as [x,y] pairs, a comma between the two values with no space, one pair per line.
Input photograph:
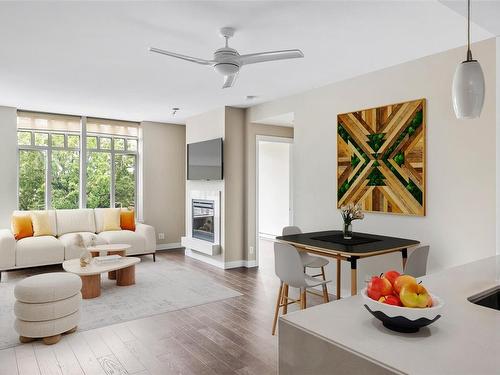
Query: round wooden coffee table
[110,249]
[91,274]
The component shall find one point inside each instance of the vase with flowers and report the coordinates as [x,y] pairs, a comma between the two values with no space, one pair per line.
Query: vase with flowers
[350,212]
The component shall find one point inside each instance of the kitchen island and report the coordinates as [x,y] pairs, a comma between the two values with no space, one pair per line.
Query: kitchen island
[342,337]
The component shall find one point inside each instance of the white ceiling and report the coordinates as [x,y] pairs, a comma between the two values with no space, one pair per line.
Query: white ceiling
[92,57]
[483,12]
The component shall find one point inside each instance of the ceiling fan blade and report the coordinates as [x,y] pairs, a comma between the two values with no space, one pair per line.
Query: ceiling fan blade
[270,56]
[229,80]
[183,57]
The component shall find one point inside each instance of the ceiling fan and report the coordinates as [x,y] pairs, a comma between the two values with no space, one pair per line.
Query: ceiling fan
[228,62]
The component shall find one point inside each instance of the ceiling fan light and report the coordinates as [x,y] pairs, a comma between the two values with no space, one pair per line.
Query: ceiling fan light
[226,69]
[468,90]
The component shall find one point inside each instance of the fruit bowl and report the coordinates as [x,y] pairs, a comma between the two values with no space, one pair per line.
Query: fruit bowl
[403,319]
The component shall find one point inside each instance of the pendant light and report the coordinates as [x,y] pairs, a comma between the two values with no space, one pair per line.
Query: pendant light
[468,83]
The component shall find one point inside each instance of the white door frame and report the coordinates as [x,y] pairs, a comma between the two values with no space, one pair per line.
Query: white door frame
[258,140]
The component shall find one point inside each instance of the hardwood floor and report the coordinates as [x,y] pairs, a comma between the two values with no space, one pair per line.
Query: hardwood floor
[231,336]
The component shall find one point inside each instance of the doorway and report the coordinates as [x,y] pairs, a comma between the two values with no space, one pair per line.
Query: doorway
[274,194]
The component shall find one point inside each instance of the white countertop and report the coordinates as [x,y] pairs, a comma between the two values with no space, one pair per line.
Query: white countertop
[465,340]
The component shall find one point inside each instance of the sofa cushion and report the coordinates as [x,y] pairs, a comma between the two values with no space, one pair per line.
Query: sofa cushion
[78,220]
[22,226]
[100,218]
[35,312]
[136,241]
[127,220]
[36,251]
[52,218]
[47,287]
[41,223]
[111,219]
[68,240]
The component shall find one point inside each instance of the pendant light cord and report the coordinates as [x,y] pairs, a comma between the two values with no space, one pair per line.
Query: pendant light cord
[469,53]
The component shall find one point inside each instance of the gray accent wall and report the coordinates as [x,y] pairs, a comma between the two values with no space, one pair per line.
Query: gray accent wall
[164,179]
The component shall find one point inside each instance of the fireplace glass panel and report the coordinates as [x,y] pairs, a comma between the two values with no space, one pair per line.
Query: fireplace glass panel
[203,220]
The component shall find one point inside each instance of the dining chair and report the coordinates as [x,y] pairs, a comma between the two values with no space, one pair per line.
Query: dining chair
[308,260]
[416,265]
[290,270]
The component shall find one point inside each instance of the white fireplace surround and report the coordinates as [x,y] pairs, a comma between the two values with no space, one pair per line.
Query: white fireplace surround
[206,247]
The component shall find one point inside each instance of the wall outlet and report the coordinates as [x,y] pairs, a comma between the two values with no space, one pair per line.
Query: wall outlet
[251,250]
[161,236]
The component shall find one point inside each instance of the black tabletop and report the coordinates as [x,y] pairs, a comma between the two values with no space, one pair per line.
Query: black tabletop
[361,244]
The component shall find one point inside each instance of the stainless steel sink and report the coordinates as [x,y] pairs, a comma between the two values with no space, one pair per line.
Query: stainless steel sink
[489,298]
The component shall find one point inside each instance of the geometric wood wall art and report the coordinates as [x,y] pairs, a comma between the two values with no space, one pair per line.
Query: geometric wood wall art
[381,158]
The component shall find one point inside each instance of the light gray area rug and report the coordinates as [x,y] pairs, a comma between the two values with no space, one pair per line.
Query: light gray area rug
[161,286]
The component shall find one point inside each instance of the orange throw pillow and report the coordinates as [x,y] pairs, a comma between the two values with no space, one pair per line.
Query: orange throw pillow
[22,226]
[127,220]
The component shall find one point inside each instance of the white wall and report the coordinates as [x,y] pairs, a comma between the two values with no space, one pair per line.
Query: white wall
[8,166]
[274,187]
[460,221]
[498,145]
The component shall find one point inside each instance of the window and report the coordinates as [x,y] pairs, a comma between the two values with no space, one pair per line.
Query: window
[111,163]
[32,170]
[125,166]
[65,179]
[50,161]
[98,179]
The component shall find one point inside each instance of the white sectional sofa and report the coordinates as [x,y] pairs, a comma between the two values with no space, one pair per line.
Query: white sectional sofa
[54,249]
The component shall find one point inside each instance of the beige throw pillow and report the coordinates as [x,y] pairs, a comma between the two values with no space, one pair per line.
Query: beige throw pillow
[111,219]
[41,224]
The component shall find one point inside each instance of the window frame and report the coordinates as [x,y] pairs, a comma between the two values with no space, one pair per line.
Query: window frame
[48,158]
[83,155]
[113,152]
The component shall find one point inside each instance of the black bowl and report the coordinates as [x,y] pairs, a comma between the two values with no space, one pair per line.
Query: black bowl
[400,323]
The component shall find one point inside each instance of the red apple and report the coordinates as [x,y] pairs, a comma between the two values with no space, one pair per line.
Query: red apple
[414,295]
[391,300]
[403,280]
[386,287]
[378,287]
[391,276]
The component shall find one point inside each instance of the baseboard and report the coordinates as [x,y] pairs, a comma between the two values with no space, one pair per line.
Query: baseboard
[241,263]
[204,258]
[218,263]
[168,246]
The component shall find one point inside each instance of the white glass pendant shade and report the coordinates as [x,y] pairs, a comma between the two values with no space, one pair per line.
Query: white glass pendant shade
[468,90]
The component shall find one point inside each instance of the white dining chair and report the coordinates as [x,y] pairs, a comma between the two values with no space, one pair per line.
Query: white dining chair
[308,260]
[290,270]
[416,264]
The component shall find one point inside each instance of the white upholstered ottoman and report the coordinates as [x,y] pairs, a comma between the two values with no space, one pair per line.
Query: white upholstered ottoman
[47,305]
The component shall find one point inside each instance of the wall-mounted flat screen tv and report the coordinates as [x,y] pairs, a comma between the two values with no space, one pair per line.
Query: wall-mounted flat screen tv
[204,160]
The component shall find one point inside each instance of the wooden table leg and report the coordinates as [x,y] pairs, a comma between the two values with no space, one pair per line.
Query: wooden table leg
[112,274]
[125,276]
[94,254]
[404,254]
[91,286]
[354,276]
[339,268]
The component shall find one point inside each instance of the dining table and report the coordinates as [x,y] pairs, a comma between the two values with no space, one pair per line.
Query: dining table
[333,244]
